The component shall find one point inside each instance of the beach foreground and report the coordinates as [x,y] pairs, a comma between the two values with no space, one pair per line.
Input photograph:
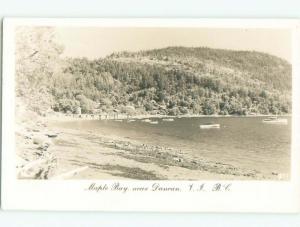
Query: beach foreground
[54,152]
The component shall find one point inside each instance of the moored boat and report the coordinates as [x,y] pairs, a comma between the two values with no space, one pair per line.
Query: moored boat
[153,122]
[146,120]
[275,120]
[168,119]
[209,126]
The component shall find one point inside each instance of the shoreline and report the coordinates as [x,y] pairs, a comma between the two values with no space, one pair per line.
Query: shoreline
[57,152]
[113,157]
[82,117]
[110,157]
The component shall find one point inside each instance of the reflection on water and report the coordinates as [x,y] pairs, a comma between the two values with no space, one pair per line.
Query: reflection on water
[242,141]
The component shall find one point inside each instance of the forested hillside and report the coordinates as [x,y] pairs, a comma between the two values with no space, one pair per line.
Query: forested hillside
[172,81]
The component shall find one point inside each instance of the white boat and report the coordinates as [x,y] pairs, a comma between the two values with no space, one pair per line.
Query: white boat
[168,119]
[209,126]
[153,122]
[146,120]
[131,120]
[275,120]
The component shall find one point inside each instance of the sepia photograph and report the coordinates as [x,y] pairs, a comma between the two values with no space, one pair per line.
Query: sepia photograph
[153,103]
[168,115]
[131,114]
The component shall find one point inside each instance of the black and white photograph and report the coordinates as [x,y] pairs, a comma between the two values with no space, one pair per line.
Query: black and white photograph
[153,103]
[167,115]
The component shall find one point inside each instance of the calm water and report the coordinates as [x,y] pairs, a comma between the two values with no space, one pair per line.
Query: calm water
[242,141]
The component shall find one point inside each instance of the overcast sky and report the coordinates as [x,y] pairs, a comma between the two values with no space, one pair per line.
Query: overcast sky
[92,42]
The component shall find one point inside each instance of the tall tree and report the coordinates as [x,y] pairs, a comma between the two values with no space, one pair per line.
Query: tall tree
[37,63]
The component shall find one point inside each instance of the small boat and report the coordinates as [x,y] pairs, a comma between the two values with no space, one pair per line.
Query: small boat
[146,120]
[209,126]
[275,120]
[153,122]
[131,120]
[52,134]
[168,119]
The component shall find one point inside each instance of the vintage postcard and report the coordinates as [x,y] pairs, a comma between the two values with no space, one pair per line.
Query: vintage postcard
[151,115]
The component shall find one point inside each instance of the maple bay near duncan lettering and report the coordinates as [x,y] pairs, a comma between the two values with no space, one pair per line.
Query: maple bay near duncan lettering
[157,187]
[123,106]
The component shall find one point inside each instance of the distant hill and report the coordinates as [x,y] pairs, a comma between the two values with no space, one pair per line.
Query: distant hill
[172,81]
[264,67]
[178,80]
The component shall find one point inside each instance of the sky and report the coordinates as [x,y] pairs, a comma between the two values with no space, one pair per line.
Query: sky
[93,42]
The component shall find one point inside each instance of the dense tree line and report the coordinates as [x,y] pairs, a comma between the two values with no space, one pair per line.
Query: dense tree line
[155,88]
[173,81]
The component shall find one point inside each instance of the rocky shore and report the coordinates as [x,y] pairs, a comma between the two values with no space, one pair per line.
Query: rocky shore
[34,146]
